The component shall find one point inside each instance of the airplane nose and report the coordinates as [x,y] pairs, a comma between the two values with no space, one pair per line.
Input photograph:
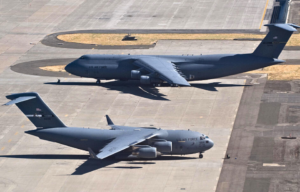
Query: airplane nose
[69,67]
[210,144]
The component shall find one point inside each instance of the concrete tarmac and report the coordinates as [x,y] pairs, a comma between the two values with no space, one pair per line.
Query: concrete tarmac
[30,164]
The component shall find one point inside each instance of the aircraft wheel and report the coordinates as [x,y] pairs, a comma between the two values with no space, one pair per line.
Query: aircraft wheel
[154,85]
[158,85]
[98,81]
[200,156]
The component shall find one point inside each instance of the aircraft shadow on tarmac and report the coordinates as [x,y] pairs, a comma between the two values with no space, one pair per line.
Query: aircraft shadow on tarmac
[215,85]
[148,92]
[93,164]
[145,91]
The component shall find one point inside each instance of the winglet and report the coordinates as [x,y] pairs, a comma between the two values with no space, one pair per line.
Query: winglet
[109,121]
[92,154]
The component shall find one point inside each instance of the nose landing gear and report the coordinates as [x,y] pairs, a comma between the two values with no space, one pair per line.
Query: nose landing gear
[98,81]
[200,156]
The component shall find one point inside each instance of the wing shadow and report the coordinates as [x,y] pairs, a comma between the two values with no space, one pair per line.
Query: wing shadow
[213,86]
[47,156]
[126,87]
[94,164]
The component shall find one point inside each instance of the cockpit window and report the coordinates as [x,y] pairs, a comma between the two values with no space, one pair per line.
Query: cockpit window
[207,137]
[202,138]
[83,57]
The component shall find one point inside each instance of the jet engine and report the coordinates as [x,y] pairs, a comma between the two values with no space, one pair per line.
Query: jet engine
[144,79]
[163,146]
[146,152]
[135,74]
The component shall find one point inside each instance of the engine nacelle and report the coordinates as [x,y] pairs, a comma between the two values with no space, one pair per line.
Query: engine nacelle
[146,152]
[163,146]
[145,79]
[135,74]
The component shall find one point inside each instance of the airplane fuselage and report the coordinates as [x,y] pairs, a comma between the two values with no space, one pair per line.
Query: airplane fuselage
[183,141]
[193,67]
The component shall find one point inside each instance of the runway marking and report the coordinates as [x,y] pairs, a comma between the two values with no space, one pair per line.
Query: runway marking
[272,165]
[2,148]
[22,126]
[9,141]
[16,133]
[262,19]
[66,115]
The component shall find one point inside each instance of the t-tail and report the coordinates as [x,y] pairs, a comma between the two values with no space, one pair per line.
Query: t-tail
[35,109]
[274,42]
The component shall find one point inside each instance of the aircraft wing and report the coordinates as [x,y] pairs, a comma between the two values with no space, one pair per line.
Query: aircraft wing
[162,69]
[124,141]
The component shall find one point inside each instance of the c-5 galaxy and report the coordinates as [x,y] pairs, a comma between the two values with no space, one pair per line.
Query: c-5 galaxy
[121,142]
[178,70]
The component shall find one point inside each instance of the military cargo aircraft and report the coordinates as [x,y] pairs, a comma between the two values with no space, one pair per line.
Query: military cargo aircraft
[121,142]
[178,70]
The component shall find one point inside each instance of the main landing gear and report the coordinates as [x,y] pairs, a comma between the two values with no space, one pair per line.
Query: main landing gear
[98,81]
[200,156]
[156,84]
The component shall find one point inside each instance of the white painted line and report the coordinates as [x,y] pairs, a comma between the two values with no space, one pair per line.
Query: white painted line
[272,165]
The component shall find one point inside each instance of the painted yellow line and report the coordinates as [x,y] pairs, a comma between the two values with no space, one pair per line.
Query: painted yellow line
[22,126]
[9,140]
[66,115]
[2,148]
[16,133]
[262,19]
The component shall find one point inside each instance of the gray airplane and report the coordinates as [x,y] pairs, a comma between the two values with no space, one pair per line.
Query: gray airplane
[121,142]
[178,70]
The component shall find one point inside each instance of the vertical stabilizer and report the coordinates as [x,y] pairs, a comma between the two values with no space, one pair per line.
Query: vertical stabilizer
[35,109]
[274,42]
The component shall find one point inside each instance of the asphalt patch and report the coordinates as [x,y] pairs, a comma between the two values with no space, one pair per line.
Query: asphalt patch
[256,184]
[33,67]
[262,150]
[268,113]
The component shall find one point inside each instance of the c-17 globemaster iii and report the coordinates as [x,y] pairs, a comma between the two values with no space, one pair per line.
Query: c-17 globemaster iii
[121,142]
[178,70]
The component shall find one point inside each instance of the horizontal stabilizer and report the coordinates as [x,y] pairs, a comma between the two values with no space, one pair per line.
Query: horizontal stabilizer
[19,99]
[286,27]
